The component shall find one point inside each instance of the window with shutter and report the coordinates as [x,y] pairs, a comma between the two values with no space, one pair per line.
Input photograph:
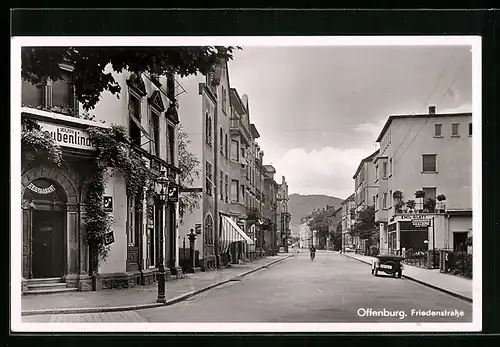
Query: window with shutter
[429,162]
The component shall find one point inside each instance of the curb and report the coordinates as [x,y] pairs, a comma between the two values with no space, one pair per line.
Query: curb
[169,302]
[456,295]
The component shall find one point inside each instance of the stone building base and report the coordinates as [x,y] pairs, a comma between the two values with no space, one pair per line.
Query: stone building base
[176,271]
[120,280]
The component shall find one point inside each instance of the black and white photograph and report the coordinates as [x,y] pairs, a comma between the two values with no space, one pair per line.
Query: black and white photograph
[246,184]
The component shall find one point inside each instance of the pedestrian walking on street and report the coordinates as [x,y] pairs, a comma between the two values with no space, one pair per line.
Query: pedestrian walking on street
[312,250]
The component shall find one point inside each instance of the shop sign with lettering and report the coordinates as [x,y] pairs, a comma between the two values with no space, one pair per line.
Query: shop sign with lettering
[68,136]
[44,191]
[421,222]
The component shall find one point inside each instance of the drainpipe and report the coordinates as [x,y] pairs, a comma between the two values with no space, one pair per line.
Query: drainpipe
[215,181]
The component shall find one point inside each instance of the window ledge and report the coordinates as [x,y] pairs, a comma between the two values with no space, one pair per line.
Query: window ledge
[429,172]
[470,135]
[438,136]
[455,135]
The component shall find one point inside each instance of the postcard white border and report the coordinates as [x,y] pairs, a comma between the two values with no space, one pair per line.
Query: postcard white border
[278,41]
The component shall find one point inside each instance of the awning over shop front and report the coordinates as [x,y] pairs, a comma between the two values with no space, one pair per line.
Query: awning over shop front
[231,232]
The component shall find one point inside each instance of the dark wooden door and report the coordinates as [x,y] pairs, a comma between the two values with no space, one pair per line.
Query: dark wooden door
[48,244]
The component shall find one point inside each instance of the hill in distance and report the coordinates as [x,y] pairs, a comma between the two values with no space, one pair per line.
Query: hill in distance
[302,205]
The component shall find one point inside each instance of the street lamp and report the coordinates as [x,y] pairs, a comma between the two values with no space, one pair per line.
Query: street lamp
[162,187]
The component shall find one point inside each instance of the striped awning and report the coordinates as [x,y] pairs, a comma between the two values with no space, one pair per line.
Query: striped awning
[231,232]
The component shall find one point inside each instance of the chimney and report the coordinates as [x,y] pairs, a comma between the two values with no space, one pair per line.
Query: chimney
[244,99]
[432,109]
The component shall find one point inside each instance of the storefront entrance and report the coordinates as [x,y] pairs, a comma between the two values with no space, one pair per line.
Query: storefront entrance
[44,229]
[48,246]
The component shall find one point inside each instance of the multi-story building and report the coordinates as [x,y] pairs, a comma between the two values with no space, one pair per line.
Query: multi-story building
[306,235]
[348,219]
[283,215]
[241,141]
[431,153]
[208,125]
[55,197]
[365,188]
[269,211]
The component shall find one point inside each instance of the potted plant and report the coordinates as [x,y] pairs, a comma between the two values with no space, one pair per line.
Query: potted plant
[441,198]
[398,206]
[420,194]
[397,195]
[430,205]
[411,205]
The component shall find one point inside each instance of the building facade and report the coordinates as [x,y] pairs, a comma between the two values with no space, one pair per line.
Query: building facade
[348,218]
[229,219]
[365,190]
[55,197]
[421,157]
[283,214]
[306,235]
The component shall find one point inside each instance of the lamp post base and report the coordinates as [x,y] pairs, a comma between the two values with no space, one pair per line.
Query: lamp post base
[161,287]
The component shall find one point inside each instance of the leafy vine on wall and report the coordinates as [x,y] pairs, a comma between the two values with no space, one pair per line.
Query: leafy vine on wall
[113,151]
[40,142]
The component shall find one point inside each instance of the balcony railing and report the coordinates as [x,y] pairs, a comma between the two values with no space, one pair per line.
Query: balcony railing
[421,208]
[237,124]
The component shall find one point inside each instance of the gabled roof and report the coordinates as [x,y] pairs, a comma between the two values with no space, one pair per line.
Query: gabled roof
[254,131]
[437,115]
[270,168]
[237,102]
[365,160]
[350,198]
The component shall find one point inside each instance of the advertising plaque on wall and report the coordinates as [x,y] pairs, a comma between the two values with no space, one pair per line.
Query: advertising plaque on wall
[109,238]
[108,203]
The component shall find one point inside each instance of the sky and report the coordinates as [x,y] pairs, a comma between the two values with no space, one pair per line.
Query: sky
[319,109]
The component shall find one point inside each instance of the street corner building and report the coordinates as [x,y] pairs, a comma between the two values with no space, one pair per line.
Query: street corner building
[55,252]
[423,201]
[237,217]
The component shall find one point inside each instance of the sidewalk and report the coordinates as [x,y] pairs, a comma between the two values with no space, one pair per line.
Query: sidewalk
[457,286]
[140,296]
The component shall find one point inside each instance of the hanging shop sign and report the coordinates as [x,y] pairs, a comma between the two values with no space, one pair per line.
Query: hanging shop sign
[44,191]
[108,204]
[197,228]
[173,194]
[421,222]
[109,238]
[68,136]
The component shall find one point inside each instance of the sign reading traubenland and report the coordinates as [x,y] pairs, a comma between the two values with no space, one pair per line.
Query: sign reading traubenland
[67,136]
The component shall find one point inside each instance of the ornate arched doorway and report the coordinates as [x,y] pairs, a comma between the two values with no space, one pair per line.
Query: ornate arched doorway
[44,229]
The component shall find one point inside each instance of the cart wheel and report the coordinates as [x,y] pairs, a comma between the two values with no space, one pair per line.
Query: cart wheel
[399,274]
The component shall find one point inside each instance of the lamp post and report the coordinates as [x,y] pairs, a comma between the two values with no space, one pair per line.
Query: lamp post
[192,238]
[162,185]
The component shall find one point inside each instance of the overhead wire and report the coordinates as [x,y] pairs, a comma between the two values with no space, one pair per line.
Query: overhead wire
[429,117]
[426,102]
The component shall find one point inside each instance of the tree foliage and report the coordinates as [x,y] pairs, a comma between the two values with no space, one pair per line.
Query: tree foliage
[189,167]
[90,77]
[336,236]
[365,227]
[319,221]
